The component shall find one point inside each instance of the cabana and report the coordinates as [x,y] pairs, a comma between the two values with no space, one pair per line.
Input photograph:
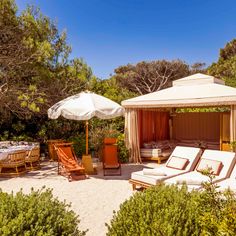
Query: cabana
[154,116]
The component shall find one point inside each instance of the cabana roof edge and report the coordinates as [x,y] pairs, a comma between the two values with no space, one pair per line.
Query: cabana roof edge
[204,92]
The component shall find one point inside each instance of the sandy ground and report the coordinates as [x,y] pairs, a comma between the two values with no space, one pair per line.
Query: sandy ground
[93,199]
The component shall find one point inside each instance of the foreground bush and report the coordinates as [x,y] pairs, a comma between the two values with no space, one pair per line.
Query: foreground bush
[172,211]
[157,211]
[37,213]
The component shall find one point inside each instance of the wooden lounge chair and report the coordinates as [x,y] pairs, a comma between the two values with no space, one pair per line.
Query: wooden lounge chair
[110,159]
[68,164]
[14,165]
[182,160]
[220,162]
[32,159]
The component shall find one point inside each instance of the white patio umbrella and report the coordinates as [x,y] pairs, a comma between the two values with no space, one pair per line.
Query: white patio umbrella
[84,106]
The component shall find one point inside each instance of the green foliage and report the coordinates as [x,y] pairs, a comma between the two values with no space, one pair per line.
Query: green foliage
[79,144]
[160,210]
[203,109]
[171,210]
[111,89]
[146,77]
[225,67]
[98,130]
[37,213]
[233,145]
[123,151]
[35,73]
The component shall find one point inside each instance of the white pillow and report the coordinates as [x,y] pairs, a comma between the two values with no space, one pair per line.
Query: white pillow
[214,166]
[178,163]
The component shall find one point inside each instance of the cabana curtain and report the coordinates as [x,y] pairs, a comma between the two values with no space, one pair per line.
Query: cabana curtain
[154,125]
[233,123]
[132,135]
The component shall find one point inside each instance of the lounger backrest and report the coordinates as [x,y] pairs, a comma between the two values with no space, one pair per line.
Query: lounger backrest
[227,159]
[191,153]
[233,173]
[110,155]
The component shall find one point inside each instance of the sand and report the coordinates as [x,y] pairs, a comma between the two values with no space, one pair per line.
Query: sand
[93,199]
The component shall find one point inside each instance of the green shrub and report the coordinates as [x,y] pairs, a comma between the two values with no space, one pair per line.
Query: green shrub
[161,210]
[123,151]
[79,144]
[37,213]
[170,210]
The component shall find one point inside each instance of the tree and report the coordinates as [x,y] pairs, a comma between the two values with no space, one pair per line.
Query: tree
[225,67]
[111,89]
[34,68]
[198,67]
[147,77]
[35,73]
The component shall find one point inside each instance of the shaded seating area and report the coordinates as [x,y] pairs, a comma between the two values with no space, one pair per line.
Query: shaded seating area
[157,151]
[110,158]
[181,161]
[68,164]
[14,164]
[187,113]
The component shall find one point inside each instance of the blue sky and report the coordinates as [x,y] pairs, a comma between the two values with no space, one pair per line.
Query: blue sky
[110,33]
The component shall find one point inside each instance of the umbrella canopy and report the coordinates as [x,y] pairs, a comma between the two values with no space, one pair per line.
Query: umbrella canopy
[84,106]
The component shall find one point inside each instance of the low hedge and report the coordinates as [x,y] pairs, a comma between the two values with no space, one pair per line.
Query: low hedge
[167,210]
[37,213]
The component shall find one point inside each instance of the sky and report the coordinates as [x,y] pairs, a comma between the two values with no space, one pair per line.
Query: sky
[111,33]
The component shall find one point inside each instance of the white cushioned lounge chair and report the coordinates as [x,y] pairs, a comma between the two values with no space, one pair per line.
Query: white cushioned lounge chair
[181,160]
[230,182]
[220,162]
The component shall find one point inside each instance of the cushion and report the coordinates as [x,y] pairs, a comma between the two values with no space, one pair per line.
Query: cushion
[189,181]
[214,165]
[153,172]
[178,163]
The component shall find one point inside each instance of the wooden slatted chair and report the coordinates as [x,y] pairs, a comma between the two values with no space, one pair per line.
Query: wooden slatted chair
[68,164]
[32,159]
[110,159]
[14,165]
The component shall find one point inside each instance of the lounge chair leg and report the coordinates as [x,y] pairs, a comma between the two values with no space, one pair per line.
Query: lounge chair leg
[134,187]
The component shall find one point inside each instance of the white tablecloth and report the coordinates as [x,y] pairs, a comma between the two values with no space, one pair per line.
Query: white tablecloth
[5,151]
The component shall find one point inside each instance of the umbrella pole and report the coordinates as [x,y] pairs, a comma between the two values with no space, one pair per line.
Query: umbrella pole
[86,137]
[87,159]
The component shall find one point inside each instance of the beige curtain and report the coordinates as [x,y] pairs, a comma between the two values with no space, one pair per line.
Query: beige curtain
[132,135]
[233,123]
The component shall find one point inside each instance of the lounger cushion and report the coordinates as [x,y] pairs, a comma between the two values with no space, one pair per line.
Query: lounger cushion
[153,172]
[193,178]
[189,181]
[178,163]
[214,166]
